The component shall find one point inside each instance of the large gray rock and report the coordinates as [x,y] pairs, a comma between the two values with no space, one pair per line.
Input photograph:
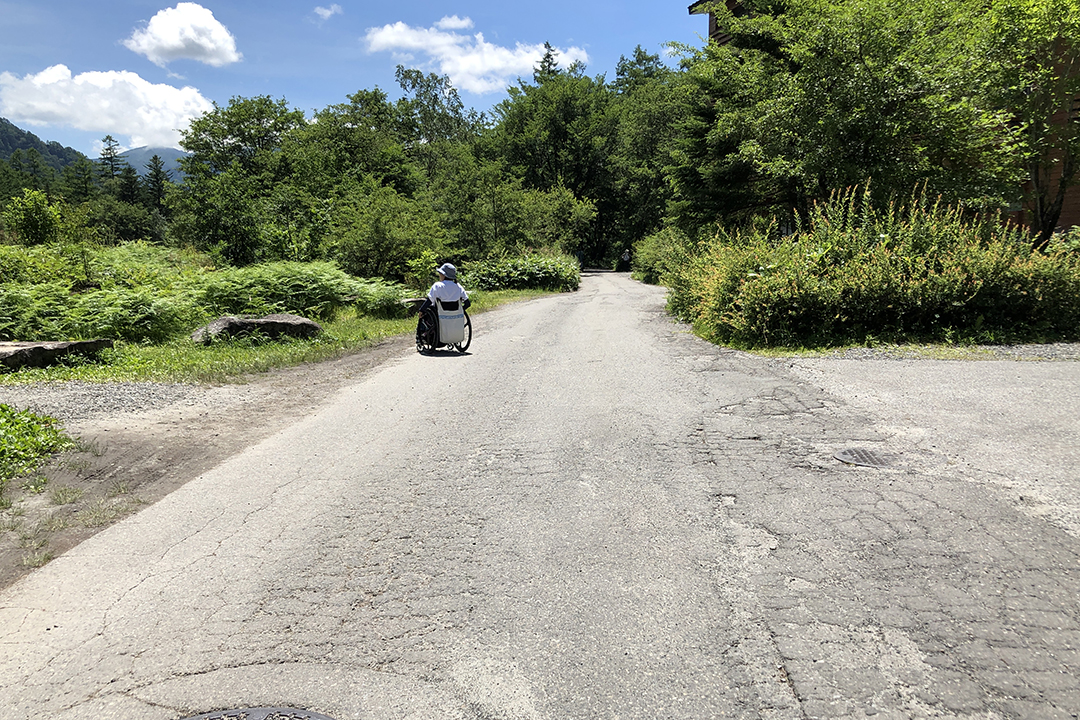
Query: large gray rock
[273,326]
[15,355]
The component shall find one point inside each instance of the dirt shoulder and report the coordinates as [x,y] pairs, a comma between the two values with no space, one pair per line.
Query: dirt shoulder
[133,452]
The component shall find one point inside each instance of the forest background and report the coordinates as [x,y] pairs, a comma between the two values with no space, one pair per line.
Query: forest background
[839,171]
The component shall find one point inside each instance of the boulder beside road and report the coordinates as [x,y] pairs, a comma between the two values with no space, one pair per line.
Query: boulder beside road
[273,326]
[15,355]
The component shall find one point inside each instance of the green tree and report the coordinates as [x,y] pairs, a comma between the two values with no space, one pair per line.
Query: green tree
[813,95]
[350,142]
[109,161]
[548,68]
[559,133]
[641,69]
[156,183]
[32,219]
[35,171]
[553,219]
[236,161]
[129,186]
[12,183]
[78,182]
[116,221]
[247,132]
[1032,70]
[649,106]
[431,121]
[431,110]
[377,231]
[219,214]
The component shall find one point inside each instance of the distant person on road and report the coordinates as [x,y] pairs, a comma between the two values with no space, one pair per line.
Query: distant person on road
[446,289]
[624,262]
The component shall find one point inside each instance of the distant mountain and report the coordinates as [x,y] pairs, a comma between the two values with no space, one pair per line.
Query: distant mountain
[56,155]
[139,158]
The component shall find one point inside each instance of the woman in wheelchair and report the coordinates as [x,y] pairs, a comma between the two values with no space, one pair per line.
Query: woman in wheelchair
[452,297]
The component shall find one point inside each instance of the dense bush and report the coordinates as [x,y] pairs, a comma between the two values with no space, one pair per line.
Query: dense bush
[313,289]
[140,292]
[32,219]
[561,273]
[35,312]
[135,314]
[657,255]
[852,274]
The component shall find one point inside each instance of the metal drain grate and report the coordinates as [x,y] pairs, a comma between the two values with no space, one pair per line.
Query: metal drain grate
[262,714]
[861,456]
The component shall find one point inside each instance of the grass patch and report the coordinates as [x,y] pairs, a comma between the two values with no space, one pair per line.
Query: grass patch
[90,447]
[117,488]
[65,495]
[37,558]
[73,464]
[32,540]
[54,522]
[902,350]
[35,484]
[101,513]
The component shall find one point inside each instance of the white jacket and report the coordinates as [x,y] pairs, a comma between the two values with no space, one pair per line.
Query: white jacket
[447,291]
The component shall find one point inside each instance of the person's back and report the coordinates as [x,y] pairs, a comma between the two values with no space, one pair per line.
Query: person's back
[445,290]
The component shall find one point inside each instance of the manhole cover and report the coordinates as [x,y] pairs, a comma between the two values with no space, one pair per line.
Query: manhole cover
[861,456]
[262,714]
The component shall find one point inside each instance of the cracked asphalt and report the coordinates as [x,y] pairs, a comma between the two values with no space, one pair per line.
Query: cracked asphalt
[594,515]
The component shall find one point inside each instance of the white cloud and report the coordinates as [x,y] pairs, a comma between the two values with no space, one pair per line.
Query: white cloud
[327,13]
[471,63]
[115,103]
[453,22]
[186,32]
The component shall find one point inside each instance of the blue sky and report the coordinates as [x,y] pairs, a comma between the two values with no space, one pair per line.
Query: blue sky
[73,71]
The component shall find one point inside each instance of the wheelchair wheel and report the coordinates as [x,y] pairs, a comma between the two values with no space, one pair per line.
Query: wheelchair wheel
[425,332]
[462,346]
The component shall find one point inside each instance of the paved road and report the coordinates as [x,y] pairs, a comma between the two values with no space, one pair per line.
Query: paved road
[594,515]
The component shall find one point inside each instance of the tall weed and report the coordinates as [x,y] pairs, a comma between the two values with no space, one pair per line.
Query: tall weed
[852,274]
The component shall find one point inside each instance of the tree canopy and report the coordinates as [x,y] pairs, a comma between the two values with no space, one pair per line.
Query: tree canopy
[975,103]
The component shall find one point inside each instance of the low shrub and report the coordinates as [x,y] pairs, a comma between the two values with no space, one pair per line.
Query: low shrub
[312,289]
[37,264]
[528,272]
[380,299]
[35,311]
[26,440]
[133,314]
[853,275]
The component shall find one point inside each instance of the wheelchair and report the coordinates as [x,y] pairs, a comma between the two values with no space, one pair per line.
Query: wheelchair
[445,325]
